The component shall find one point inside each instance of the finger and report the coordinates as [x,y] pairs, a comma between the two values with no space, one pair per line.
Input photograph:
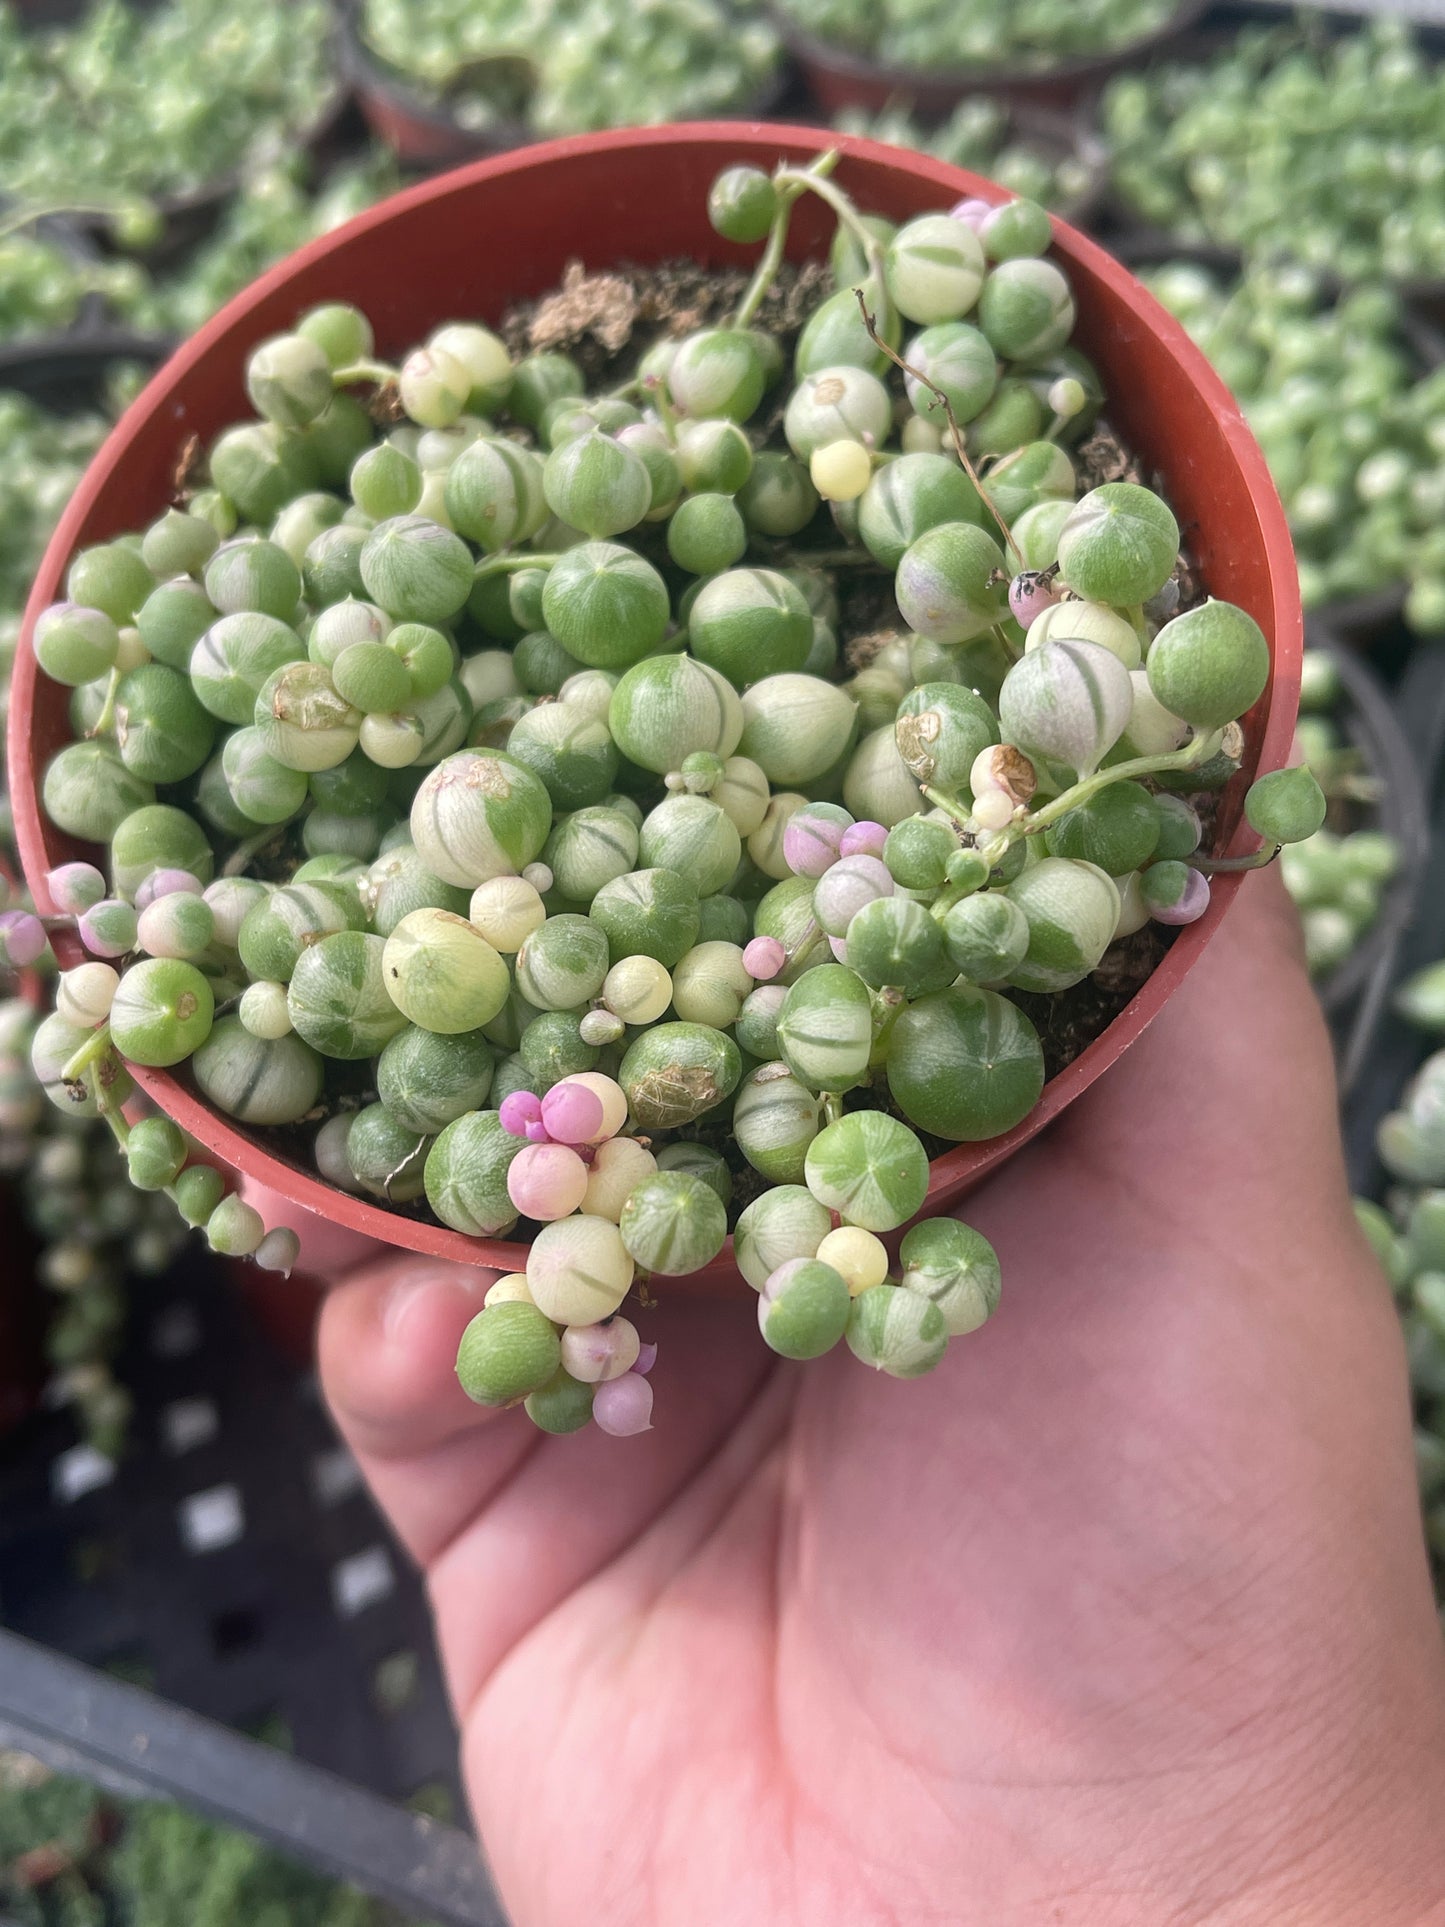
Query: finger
[507,1520]
[386,1335]
[577,1504]
[388,1346]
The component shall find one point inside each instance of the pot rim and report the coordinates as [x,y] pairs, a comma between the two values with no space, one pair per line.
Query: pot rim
[956,1169]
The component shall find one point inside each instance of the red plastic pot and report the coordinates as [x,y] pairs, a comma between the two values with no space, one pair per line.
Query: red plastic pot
[501,231]
[425,132]
[839,77]
[420,132]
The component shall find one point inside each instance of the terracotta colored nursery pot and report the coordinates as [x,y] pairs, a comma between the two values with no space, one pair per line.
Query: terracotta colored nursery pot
[839,76]
[421,133]
[473,243]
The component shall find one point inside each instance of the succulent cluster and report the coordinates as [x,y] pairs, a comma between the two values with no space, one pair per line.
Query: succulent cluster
[1352,428]
[86,1253]
[1342,132]
[979,135]
[92,1225]
[1407,1233]
[45,456]
[484,788]
[568,66]
[994,33]
[134,101]
[46,282]
[74,1856]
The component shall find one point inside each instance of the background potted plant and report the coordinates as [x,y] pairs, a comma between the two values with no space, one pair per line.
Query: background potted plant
[847,50]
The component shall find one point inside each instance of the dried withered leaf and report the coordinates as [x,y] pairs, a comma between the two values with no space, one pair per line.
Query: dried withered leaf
[601,305]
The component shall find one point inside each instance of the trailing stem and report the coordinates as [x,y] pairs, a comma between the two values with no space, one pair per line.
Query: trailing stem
[509,564]
[1260,859]
[1191,756]
[996,846]
[814,182]
[380,372]
[105,721]
[789,183]
[91,1052]
[941,400]
[239,860]
[113,1116]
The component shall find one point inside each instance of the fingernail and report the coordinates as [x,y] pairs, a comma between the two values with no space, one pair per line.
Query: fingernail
[408,1292]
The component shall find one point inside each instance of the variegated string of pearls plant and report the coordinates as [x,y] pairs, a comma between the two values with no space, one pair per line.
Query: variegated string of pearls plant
[581,845]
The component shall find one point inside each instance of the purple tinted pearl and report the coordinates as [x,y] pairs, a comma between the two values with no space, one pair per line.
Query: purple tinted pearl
[519,1111]
[763,958]
[863,839]
[74,887]
[811,843]
[839,948]
[571,1113]
[22,938]
[537,1132]
[971,211]
[1191,905]
[623,1406]
[645,1360]
[1028,596]
[853,881]
[166,883]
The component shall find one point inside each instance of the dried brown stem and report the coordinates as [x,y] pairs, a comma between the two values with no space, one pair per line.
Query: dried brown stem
[947,407]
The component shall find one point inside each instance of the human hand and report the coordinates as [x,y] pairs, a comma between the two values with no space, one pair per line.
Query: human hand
[1121,1616]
